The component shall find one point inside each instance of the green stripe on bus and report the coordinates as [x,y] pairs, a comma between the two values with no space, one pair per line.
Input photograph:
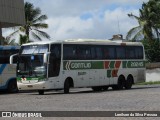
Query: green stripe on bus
[133,64]
[97,65]
[112,64]
[80,65]
[124,64]
[109,72]
[77,65]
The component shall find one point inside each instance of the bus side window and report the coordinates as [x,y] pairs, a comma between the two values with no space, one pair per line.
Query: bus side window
[93,52]
[83,52]
[130,52]
[55,59]
[106,52]
[99,52]
[111,52]
[69,52]
[139,52]
[120,51]
[5,55]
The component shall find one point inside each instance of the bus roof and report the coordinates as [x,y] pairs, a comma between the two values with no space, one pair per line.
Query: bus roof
[86,41]
[8,47]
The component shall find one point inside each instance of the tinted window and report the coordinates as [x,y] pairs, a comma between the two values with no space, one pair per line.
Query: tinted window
[120,51]
[69,52]
[109,52]
[139,52]
[130,52]
[83,52]
[99,52]
[5,55]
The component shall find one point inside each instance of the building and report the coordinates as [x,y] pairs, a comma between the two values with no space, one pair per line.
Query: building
[11,14]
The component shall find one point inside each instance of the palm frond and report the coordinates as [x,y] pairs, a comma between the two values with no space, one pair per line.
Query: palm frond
[138,35]
[12,35]
[132,32]
[35,36]
[39,26]
[43,34]
[40,18]
[133,16]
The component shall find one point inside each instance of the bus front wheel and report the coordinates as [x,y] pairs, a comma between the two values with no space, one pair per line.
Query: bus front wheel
[66,86]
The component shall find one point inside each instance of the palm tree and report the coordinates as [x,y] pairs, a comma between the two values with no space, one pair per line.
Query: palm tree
[34,22]
[149,22]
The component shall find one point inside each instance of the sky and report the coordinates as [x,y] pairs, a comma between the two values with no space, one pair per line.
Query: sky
[93,19]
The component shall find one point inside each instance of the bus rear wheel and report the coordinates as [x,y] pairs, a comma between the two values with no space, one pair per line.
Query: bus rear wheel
[129,82]
[12,86]
[120,85]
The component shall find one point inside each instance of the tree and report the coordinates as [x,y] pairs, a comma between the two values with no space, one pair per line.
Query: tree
[149,22]
[34,22]
[152,50]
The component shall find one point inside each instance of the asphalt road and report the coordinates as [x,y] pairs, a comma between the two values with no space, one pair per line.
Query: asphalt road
[139,98]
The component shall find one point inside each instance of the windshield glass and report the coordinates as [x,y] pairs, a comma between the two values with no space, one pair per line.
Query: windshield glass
[34,49]
[31,66]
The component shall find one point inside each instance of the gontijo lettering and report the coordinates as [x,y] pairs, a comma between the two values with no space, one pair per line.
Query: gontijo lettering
[80,65]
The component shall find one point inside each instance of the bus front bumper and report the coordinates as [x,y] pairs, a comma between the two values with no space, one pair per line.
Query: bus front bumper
[35,86]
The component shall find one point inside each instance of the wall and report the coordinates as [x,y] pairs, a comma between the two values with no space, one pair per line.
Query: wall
[12,13]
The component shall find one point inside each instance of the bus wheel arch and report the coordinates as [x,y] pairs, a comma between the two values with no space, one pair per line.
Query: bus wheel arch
[12,86]
[68,84]
[129,82]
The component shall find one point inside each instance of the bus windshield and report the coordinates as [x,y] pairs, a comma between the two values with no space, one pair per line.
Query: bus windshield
[31,66]
[34,49]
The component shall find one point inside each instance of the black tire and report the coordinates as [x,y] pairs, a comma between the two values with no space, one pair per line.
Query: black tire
[120,85]
[41,92]
[96,88]
[66,86]
[129,82]
[12,86]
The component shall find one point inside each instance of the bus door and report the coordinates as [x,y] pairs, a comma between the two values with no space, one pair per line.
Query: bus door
[54,65]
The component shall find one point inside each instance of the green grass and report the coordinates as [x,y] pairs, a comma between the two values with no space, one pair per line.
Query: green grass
[149,83]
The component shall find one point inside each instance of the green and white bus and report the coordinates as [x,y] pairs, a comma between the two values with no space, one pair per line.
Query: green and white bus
[8,72]
[78,63]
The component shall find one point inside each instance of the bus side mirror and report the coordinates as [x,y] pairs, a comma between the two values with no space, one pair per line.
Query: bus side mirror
[45,57]
[11,58]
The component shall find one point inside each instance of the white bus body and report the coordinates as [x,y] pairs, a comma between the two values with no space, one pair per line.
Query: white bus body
[98,64]
[7,71]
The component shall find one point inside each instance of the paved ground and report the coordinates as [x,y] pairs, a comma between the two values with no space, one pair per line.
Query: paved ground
[140,98]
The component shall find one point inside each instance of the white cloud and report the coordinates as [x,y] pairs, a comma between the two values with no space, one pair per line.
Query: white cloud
[95,27]
[64,17]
